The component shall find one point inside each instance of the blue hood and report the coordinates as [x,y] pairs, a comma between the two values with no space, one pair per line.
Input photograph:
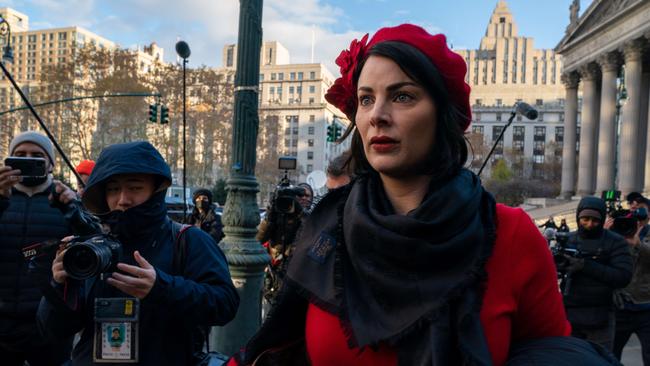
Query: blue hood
[132,157]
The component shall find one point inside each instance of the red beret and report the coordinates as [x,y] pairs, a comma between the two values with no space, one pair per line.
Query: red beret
[451,66]
[85,167]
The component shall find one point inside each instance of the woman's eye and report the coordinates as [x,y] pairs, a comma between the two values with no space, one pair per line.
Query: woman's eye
[364,100]
[403,98]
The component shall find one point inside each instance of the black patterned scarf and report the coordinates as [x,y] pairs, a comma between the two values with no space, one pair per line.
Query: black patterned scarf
[413,281]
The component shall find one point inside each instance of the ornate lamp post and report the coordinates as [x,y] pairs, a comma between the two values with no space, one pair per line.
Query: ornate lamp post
[246,257]
[183,50]
[5,32]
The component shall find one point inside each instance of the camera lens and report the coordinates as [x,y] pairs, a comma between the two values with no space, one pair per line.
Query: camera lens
[86,259]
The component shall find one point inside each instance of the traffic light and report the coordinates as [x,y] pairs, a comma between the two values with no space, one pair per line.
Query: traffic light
[331,133]
[153,113]
[164,115]
[337,132]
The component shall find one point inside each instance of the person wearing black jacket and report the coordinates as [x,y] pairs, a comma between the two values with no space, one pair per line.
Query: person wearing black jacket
[127,191]
[29,214]
[203,215]
[602,264]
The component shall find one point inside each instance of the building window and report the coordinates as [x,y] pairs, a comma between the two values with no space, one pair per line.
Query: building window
[538,147]
[310,155]
[538,159]
[518,146]
[499,102]
[287,143]
[311,100]
[310,168]
[292,76]
[261,77]
[63,36]
[31,38]
[287,131]
[312,89]
[539,102]
[312,118]
[559,135]
[272,90]
[230,57]
[310,142]
[540,133]
[310,130]
[300,75]
[479,102]
[294,143]
[312,75]
[291,90]
[273,76]
[299,89]
[280,76]
[541,117]
[295,130]
[499,116]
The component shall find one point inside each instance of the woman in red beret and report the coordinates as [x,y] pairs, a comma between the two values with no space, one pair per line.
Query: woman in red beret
[413,262]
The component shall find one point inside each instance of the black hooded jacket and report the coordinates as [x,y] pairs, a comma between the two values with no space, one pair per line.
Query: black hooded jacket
[607,263]
[201,294]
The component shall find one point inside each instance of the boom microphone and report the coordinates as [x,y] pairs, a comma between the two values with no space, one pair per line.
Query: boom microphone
[526,110]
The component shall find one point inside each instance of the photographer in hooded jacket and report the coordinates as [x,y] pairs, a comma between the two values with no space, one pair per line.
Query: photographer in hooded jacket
[29,214]
[164,300]
[600,265]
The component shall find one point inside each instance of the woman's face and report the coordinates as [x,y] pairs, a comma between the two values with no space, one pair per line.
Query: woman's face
[396,119]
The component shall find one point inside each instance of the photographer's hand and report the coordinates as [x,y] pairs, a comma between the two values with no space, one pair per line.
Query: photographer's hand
[140,283]
[8,179]
[609,222]
[58,273]
[635,240]
[65,194]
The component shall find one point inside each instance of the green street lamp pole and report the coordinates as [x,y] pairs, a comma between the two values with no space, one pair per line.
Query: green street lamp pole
[246,256]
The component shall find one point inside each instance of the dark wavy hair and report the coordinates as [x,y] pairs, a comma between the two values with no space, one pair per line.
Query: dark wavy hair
[449,152]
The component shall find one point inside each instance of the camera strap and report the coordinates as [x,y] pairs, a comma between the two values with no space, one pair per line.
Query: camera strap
[180,247]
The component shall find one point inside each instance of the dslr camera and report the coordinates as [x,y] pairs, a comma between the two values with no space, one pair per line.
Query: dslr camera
[86,257]
[286,195]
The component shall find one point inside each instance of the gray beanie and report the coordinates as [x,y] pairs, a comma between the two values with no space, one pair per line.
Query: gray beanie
[35,138]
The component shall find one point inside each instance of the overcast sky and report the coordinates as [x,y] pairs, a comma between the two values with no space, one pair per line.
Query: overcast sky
[207,25]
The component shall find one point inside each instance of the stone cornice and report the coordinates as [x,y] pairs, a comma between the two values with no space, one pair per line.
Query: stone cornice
[571,80]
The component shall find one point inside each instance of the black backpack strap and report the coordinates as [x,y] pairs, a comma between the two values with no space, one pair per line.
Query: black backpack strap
[180,247]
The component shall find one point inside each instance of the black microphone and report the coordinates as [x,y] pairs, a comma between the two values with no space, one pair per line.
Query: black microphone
[526,110]
[183,49]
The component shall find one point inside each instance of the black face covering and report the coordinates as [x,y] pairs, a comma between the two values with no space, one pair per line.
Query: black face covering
[138,223]
[33,181]
[203,205]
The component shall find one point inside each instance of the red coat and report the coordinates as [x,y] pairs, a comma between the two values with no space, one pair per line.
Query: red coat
[522,300]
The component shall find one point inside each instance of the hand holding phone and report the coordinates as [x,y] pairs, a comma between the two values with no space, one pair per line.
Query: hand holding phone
[8,178]
[29,167]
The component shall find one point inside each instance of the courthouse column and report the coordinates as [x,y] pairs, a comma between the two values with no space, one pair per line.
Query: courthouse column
[588,129]
[629,142]
[609,64]
[571,82]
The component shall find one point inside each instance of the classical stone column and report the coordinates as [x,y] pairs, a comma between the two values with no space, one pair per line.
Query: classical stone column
[571,81]
[609,65]
[643,122]
[629,142]
[589,74]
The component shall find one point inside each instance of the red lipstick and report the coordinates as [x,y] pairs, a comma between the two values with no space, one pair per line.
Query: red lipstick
[383,144]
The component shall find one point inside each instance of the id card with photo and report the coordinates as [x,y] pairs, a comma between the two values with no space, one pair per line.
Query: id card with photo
[116,330]
[116,342]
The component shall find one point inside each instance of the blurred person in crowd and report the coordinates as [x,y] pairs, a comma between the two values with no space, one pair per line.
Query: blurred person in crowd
[204,216]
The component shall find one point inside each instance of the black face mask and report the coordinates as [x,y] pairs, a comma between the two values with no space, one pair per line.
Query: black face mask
[203,205]
[33,181]
[140,222]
